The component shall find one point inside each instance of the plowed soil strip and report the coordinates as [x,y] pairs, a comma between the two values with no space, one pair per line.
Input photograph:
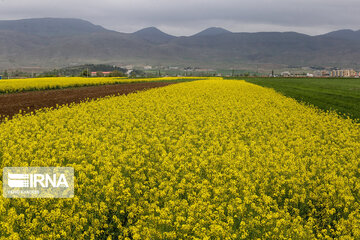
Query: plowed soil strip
[11,104]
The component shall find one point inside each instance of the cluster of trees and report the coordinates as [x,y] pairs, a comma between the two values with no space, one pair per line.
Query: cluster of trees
[115,73]
[87,69]
[15,74]
[75,71]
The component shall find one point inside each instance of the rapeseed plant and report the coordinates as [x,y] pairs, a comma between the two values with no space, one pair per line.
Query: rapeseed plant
[214,159]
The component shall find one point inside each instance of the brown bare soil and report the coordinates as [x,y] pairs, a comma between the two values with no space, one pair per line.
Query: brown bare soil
[11,104]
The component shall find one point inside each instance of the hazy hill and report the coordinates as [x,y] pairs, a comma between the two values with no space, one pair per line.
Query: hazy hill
[153,35]
[50,27]
[51,42]
[345,34]
[212,32]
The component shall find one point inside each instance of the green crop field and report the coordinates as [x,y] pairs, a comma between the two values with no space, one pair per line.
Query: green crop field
[341,95]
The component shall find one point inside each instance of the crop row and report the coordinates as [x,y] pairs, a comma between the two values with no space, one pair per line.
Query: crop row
[213,159]
[32,84]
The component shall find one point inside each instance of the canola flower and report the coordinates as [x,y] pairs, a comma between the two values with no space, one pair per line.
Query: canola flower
[215,159]
[31,84]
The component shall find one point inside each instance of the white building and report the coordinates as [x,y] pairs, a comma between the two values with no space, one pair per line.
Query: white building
[285,74]
[148,67]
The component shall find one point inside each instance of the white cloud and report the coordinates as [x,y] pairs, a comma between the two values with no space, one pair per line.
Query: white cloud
[186,17]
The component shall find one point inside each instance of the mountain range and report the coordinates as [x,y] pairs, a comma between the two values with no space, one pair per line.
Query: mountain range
[55,42]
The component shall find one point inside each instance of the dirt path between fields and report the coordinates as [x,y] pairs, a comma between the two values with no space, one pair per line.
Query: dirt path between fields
[11,104]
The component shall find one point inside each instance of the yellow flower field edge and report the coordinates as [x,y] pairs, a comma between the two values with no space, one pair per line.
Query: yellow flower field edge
[32,84]
[214,159]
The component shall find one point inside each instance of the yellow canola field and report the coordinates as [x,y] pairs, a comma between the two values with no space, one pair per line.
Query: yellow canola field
[31,84]
[215,159]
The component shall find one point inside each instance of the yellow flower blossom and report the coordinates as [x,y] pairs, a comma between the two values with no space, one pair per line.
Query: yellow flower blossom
[210,159]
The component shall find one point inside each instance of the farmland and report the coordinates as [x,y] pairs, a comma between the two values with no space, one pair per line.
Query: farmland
[210,159]
[29,101]
[341,94]
[33,84]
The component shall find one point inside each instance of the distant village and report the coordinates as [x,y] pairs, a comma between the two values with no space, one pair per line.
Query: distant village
[103,70]
[338,73]
[346,73]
